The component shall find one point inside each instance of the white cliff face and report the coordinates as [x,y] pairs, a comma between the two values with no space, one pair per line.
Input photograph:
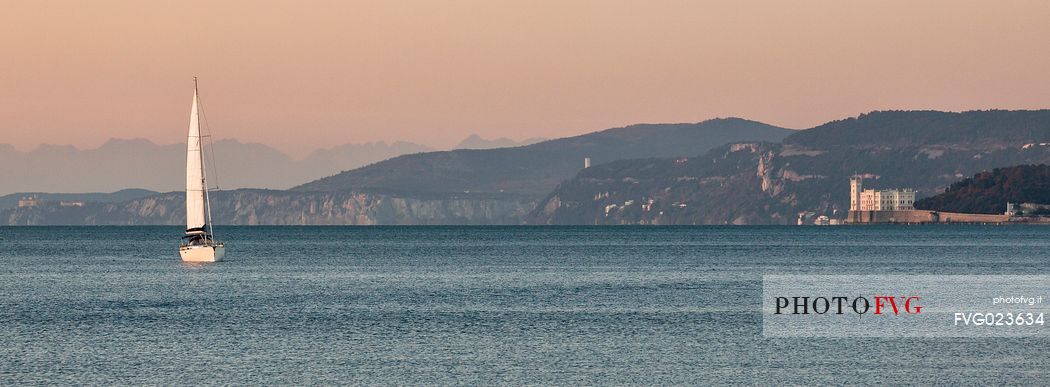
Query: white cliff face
[769,173]
[367,209]
[249,207]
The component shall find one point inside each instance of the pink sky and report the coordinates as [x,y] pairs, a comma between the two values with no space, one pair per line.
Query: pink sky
[300,75]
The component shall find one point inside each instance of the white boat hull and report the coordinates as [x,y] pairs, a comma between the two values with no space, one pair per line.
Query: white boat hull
[202,253]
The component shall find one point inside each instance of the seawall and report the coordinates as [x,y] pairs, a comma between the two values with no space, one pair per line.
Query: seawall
[922,216]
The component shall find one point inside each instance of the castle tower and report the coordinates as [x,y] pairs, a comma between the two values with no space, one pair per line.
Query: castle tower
[856,185]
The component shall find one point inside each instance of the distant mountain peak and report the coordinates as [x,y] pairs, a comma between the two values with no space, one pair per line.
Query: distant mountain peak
[475,141]
[55,148]
[127,142]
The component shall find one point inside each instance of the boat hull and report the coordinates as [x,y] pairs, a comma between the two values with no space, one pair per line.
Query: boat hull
[212,253]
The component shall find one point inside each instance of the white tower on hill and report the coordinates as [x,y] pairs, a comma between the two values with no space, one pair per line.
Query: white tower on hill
[856,185]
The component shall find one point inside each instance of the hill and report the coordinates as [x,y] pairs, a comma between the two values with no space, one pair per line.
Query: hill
[988,192]
[536,169]
[771,183]
[987,129]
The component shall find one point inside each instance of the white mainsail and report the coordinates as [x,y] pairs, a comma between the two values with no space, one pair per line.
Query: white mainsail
[195,211]
[199,244]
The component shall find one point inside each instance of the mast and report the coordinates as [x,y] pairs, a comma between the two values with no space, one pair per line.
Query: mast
[204,175]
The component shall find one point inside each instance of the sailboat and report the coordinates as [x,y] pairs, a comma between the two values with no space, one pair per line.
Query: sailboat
[199,244]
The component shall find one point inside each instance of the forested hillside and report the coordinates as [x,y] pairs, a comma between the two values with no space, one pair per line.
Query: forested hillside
[988,192]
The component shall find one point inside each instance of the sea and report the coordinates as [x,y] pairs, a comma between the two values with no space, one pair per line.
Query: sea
[481,306]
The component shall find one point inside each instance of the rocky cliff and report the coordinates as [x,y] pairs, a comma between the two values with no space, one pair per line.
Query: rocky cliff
[264,207]
[748,183]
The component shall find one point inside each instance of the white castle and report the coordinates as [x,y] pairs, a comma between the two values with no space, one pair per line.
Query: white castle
[861,199]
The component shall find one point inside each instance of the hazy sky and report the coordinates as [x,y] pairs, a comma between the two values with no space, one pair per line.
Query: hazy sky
[304,74]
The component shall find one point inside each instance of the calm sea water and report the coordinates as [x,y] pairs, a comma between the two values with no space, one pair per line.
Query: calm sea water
[479,305]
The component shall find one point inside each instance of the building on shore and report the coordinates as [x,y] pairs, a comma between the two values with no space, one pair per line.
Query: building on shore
[28,201]
[1027,209]
[879,200]
[898,206]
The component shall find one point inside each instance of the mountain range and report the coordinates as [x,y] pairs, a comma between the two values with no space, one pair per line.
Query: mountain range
[122,163]
[723,171]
